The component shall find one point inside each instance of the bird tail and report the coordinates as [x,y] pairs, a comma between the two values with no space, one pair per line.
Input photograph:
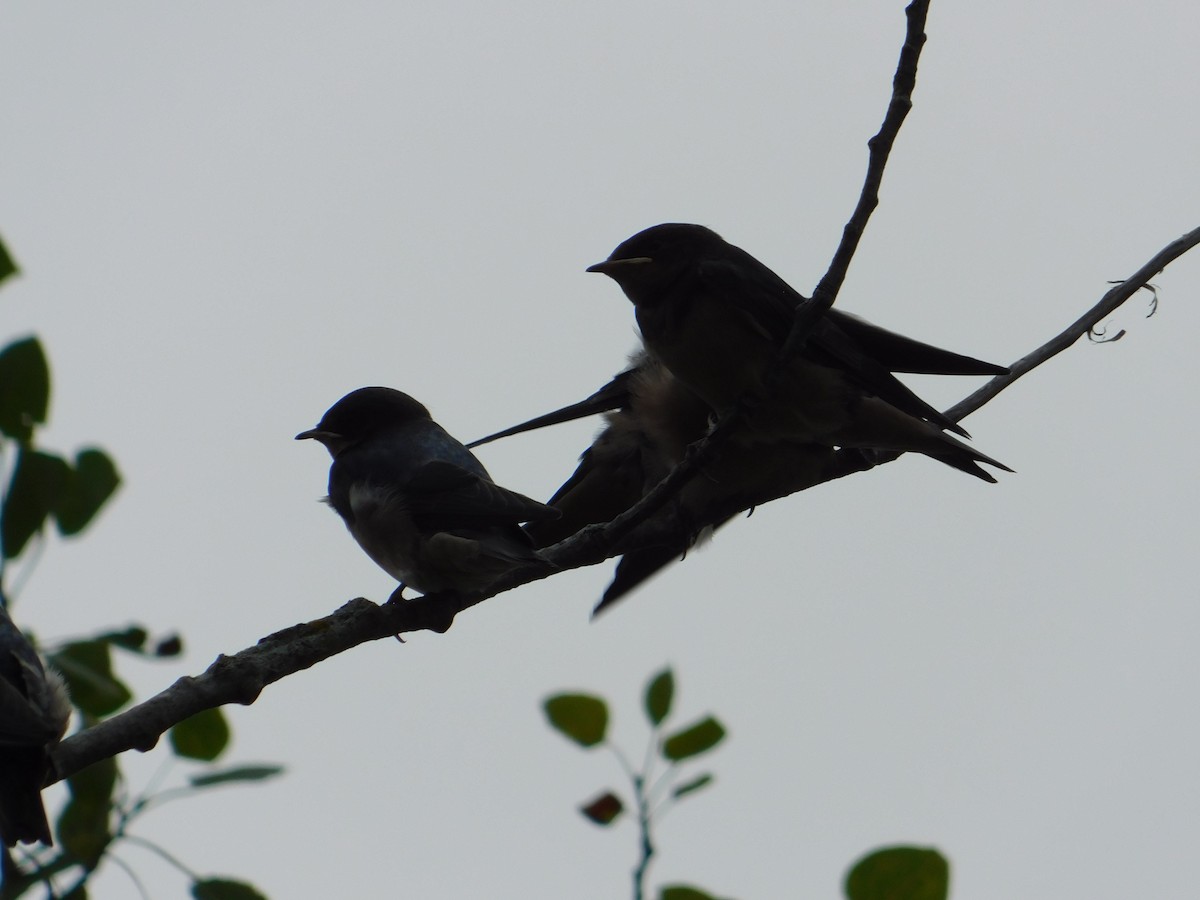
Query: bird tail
[880,426]
[953,452]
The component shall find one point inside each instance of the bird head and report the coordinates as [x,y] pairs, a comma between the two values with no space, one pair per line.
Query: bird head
[649,261]
[362,413]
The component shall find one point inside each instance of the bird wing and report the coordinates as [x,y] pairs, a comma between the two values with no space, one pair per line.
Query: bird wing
[865,353]
[749,286]
[898,353]
[610,478]
[21,724]
[831,346]
[441,496]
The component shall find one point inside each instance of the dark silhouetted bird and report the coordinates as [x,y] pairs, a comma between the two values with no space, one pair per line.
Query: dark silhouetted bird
[652,417]
[716,318]
[34,711]
[416,500]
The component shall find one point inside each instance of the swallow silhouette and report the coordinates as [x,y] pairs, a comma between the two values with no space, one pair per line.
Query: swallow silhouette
[650,419]
[716,318]
[416,500]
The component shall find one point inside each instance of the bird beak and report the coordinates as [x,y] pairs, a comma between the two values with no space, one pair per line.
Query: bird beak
[331,440]
[316,434]
[611,266]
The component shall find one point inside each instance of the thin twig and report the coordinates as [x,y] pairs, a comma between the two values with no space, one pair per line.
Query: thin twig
[880,148]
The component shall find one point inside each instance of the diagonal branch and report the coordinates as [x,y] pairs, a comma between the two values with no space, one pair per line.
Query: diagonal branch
[880,148]
[1081,326]
[240,678]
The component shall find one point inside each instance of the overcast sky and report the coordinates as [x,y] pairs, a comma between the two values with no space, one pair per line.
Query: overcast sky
[228,215]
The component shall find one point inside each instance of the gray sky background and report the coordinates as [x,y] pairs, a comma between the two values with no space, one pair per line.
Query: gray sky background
[229,215]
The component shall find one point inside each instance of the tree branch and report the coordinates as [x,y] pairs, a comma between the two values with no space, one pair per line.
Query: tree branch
[240,678]
[880,148]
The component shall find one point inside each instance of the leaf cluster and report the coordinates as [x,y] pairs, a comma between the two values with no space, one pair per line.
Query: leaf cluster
[38,487]
[584,718]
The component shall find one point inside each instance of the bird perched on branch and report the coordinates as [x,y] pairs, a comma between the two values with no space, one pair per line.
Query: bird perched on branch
[34,711]
[416,500]
[641,442]
[651,417]
[717,318]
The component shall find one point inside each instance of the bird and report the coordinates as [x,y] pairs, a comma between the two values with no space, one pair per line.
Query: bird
[417,501]
[716,317]
[651,418]
[34,711]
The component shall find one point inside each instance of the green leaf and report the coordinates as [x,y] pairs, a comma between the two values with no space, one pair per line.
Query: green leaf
[37,483]
[581,717]
[83,828]
[659,693]
[693,740]
[695,784]
[241,773]
[8,265]
[132,638]
[203,736]
[87,668]
[603,809]
[93,480]
[225,889]
[683,892]
[24,388]
[899,873]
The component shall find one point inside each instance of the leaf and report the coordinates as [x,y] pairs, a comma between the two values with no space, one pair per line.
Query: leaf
[8,265]
[83,827]
[24,388]
[695,784]
[171,645]
[683,892]
[87,668]
[132,638]
[43,483]
[203,736]
[241,773]
[37,483]
[93,480]
[581,717]
[693,740]
[899,873]
[659,693]
[225,889]
[603,809]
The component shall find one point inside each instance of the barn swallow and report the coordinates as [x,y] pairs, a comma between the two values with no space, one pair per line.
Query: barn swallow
[643,439]
[716,317]
[652,417]
[34,711]
[417,501]
[641,442]
[648,427]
